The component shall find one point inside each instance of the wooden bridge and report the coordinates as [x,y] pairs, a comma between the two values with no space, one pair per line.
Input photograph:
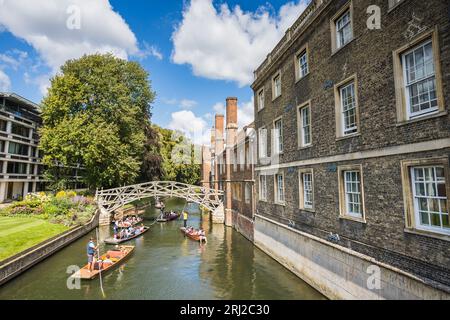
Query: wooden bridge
[113,199]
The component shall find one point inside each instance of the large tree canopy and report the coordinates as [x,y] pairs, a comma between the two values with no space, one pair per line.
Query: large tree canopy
[97,114]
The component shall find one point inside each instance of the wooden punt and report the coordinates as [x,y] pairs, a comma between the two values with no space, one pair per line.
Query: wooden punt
[118,241]
[172,217]
[194,237]
[117,256]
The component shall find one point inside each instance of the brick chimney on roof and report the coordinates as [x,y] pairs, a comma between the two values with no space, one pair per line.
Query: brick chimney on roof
[232,110]
[219,126]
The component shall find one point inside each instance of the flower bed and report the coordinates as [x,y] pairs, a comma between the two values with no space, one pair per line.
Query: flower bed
[65,208]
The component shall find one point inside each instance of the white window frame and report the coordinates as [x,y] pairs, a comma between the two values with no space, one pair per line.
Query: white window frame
[344,193]
[441,200]
[261,99]
[340,44]
[278,145]
[354,129]
[263,187]
[304,190]
[276,90]
[262,143]
[357,193]
[301,125]
[280,197]
[410,114]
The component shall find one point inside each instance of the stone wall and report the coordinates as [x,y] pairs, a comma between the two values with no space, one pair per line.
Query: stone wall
[243,225]
[335,271]
[21,262]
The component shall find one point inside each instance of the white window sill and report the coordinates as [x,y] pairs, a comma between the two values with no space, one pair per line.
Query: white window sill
[301,78]
[427,233]
[342,47]
[283,204]
[305,147]
[422,118]
[357,134]
[310,210]
[274,99]
[351,218]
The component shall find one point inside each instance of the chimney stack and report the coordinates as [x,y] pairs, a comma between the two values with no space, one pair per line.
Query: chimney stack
[232,110]
[219,126]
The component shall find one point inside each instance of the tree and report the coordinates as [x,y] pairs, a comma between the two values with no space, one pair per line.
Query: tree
[178,157]
[96,115]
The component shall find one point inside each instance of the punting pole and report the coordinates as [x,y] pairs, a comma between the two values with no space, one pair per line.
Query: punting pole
[99,269]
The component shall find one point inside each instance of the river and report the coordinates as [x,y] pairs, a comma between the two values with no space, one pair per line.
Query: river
[166,265]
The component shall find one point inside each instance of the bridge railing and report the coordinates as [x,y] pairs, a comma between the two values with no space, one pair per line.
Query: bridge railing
[112,199]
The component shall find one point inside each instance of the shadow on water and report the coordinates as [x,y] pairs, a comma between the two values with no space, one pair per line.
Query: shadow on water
[166,265]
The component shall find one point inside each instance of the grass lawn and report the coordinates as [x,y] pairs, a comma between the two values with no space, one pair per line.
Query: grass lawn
[18,234]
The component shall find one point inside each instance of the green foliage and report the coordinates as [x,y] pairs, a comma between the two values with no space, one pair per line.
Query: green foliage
[96,114]
[65,208]
[178,157]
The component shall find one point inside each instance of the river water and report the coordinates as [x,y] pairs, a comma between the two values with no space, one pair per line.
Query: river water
[166,265]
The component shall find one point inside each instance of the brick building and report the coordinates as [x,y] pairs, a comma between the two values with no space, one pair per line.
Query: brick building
[228,165]
[353,148]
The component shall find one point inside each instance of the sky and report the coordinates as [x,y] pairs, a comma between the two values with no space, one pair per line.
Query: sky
[197,52]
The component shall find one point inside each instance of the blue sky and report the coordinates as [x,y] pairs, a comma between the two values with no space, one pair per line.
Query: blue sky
[197,52]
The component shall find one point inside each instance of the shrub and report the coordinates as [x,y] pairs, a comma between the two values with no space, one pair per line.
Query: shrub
[61,194]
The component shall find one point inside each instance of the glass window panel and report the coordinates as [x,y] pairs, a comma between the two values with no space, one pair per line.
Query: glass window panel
[445,221]
[435,220]
[424,218]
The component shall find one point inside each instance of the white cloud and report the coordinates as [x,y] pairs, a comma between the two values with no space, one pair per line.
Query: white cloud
[229,44]
[5,82]
[44,26]
[195,128]
[149,50]
[41,81]
[219,108]
[246,113]
[187,104]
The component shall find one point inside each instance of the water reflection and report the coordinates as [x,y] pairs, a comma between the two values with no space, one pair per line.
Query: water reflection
[166,265]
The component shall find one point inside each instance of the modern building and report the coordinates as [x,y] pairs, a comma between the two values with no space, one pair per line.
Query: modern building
[20,165]
[352,116]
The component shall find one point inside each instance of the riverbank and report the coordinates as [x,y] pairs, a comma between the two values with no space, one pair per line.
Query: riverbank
[20,233]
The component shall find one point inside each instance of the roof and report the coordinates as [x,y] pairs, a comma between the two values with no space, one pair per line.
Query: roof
[19,99]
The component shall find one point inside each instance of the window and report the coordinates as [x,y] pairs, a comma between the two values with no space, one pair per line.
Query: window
[279,189]
[247,194]
[351,193]
[17,168]
[276,86]
[20,130]
[235,160]
[347,109]
[17,148]
[348,103]
[303,64]
[262,133]
[342,27]
[306,188]
[3,125]
[430,201]
[344,31]
[263,188]
[418,80]
[261,99]
[394,3]
[305,125]
[353,203]
[278,136]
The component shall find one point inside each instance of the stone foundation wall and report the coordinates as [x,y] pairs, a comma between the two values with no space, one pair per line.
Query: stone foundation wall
[338,272]
[243,225]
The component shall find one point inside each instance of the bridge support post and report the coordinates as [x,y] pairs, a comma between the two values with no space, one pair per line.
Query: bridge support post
[105,216]
[218,215]
[228,217]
